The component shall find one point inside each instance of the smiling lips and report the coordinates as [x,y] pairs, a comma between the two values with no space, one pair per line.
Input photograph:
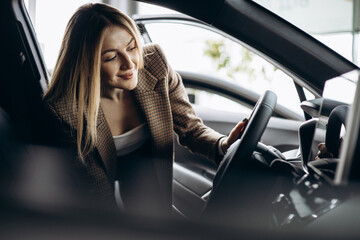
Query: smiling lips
[127,76]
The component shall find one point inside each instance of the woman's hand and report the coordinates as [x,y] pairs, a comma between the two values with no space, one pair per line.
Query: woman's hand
[234,135]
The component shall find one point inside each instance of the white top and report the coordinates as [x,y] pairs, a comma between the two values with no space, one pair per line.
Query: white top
[131,140]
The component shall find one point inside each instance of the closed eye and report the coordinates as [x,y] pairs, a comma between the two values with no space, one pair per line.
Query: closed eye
[110,59]
[132,49]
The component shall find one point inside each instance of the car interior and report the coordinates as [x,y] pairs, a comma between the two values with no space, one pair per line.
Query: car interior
[269,178]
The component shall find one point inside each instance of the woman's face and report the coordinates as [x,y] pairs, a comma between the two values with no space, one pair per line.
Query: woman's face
[119,59]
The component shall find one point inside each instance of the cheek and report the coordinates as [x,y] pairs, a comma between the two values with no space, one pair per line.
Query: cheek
[107,71]
[135,60]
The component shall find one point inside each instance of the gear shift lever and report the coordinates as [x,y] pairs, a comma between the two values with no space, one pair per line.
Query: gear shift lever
[306,135]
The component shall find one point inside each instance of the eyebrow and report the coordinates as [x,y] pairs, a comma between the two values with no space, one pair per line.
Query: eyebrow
[132,39]
[112,49]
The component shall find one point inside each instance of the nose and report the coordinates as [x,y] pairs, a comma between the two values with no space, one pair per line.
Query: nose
[126,62]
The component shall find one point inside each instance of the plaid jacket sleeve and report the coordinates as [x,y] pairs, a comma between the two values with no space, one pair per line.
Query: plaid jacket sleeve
[191,130]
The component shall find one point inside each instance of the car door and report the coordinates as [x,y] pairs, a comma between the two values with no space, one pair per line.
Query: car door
[223,88]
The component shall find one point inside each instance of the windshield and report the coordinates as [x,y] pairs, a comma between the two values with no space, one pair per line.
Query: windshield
[336,23]
[342,88]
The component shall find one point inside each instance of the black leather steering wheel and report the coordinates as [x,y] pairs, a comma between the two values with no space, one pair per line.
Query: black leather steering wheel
[239,155]
[337,118]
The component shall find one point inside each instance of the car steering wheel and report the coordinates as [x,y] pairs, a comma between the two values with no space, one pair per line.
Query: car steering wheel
[337,118]
[239,155]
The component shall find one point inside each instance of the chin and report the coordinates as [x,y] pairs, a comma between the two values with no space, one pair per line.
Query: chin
[134,81]
[131,85]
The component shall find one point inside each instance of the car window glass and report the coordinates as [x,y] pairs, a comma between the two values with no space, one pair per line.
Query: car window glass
[215,101]
[195,49]
[49,19]
[308,94]
[339,30]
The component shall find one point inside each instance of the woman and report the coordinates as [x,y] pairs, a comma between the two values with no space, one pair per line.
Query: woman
[119,104]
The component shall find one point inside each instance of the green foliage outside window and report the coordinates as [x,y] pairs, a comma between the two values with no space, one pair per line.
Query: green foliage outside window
[217,52]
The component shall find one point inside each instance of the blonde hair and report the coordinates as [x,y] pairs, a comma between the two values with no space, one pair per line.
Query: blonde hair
[76,77]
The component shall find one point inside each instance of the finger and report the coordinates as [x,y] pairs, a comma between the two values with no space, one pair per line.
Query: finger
[236,131]
[240,126]
[234,134]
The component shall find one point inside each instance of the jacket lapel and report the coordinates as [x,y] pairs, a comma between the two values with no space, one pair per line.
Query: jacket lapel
[151,95]
[146,81]
[105,145]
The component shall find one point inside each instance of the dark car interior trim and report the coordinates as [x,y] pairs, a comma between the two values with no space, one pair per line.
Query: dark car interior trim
[25,77]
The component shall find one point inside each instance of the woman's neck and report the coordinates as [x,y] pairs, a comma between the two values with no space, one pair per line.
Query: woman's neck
[121,111]
[114,94]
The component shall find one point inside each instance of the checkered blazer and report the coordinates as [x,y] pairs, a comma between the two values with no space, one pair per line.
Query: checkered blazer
[163,101]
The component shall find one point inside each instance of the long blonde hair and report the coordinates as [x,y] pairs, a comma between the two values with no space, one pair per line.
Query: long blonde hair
[76,77]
